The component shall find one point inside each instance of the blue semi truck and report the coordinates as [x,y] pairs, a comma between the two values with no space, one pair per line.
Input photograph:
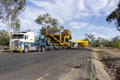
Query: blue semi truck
[25,42]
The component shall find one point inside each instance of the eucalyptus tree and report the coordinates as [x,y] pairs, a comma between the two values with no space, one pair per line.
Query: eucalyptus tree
[48,24]
[16,25]
[3,32]
[61,28]
[115,16]
[90,38]
[9,10]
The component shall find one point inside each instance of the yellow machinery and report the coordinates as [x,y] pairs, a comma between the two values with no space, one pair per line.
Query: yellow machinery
[61,39]
[81,43]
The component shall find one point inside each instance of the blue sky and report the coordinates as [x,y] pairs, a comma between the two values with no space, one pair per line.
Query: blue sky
[80,16]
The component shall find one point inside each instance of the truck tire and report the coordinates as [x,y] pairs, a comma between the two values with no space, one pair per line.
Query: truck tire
[52,49]
[26,50]
[42,48]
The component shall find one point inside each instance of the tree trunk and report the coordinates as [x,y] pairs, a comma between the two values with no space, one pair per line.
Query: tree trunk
[8,30]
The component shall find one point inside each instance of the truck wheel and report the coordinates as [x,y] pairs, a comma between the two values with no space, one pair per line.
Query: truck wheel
[42,48]
[26,50]
[52,49]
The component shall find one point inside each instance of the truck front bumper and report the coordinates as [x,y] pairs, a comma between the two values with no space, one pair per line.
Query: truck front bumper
[15,49]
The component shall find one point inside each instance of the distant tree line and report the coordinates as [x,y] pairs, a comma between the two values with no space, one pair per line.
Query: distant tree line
[93,41]
[102,42]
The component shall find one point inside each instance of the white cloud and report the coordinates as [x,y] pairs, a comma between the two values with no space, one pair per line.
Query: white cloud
[96,5]
[28,16]
[78,25]
[58,9]
[98,30]
[65,10]
[110,6]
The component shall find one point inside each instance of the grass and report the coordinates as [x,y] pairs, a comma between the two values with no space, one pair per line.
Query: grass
[92,76]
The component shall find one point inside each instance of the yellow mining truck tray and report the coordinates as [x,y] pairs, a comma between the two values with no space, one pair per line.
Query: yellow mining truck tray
[81,43]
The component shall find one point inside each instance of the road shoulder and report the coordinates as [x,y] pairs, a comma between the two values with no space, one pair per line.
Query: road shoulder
[98,70]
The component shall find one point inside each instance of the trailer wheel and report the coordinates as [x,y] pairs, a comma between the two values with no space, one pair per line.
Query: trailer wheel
[42,48]
[26,49]
[52,49]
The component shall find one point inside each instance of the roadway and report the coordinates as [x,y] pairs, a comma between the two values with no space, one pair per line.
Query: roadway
[48,65]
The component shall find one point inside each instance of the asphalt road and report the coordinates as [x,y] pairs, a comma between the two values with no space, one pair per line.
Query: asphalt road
[48,65]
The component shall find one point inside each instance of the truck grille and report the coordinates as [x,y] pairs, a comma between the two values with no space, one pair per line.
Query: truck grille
[16,43]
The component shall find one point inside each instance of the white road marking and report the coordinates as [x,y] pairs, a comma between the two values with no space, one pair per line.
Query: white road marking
[46,74]
[40,78]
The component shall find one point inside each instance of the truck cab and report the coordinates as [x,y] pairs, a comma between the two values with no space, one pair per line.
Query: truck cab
[23,42]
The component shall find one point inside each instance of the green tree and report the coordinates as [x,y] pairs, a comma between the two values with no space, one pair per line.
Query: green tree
[16,25]
[9,10]
[115,15]
[4,39]
[116,42]
[102,41]
[3,32]
[49,24]
[61,28]
[43,30]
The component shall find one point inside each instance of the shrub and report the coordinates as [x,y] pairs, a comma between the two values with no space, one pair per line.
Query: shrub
[4,40]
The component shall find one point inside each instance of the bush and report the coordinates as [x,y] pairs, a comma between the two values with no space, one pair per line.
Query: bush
[117,43]
[4,40]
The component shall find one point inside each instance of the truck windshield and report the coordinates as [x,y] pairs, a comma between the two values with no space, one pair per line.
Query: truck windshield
[17,36]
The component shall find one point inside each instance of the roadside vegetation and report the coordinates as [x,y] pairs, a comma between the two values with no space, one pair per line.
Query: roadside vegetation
[93,41]
[4,39]
[102,42]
